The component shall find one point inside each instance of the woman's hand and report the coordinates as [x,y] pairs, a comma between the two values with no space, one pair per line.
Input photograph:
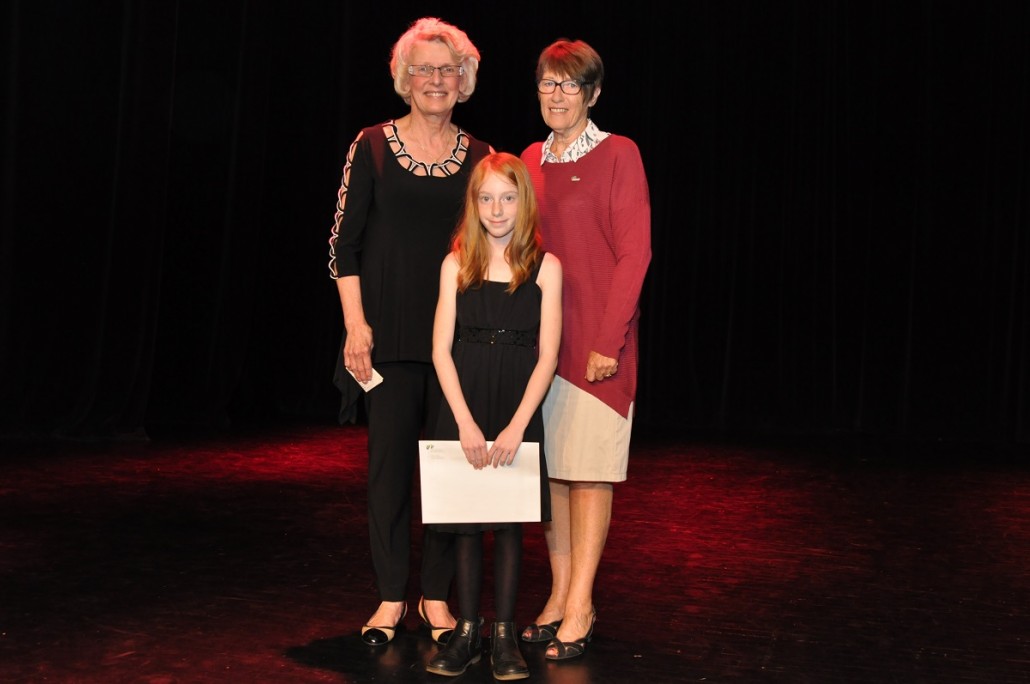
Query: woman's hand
[600,367]
[357,352]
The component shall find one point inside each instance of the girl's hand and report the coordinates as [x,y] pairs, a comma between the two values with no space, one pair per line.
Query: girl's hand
[502,451]
[474,445]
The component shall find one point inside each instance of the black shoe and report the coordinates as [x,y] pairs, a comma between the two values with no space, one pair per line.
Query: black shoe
[439,634]
[535,633]
[505,656]
[463,648]
[566,650]
[380,635]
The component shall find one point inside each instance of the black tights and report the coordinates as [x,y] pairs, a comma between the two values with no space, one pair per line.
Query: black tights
[469,572]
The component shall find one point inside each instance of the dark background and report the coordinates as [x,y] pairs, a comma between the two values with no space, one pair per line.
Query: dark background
[839,195]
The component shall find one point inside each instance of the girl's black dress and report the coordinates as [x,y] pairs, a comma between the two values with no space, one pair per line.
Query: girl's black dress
[495,351]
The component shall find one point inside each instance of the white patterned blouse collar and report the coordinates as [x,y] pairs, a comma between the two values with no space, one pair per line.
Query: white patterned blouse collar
[590,138]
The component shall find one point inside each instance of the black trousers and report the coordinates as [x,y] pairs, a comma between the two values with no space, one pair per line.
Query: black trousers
[397,412]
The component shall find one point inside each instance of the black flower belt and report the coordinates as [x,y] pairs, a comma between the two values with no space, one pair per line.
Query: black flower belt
[520,338]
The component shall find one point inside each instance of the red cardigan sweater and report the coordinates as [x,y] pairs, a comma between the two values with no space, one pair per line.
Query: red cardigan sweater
[596,215]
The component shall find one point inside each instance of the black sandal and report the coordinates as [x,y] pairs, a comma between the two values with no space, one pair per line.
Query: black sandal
[566,650]
[535,633]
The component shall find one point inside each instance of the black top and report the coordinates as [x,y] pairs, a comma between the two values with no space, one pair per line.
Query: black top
[393,228]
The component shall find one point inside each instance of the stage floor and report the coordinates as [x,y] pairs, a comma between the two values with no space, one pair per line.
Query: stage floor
[243,558]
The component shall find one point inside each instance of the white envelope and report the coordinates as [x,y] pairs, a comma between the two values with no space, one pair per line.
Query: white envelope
[455,492]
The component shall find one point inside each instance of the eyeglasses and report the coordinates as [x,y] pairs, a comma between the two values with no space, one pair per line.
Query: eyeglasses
[548,85]
[425,70]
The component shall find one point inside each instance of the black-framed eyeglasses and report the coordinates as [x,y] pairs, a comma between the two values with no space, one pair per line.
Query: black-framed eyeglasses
[426,70]
[547,86]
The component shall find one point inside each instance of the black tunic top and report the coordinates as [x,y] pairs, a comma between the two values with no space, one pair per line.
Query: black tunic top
[393,228]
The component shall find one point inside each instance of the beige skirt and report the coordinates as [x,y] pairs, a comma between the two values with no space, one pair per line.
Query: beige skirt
[585,440]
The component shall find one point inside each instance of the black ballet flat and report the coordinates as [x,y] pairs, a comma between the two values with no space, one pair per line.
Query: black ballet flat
[380,635]
[567,650]
[440,635]
[535,633]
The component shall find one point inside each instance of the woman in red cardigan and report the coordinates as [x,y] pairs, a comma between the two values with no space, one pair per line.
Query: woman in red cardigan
[596,218]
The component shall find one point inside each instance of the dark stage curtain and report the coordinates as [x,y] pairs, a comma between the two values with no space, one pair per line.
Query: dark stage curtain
[839,194]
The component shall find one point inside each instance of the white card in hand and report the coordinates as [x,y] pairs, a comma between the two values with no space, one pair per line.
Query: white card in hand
[376,379]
